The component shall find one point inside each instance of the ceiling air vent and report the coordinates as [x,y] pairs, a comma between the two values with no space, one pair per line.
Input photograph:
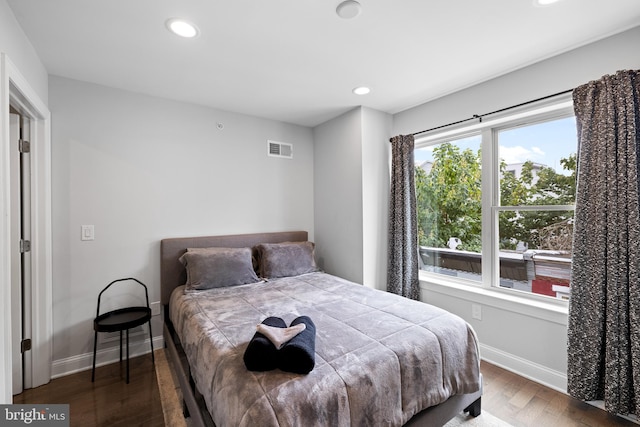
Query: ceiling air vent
[279,149]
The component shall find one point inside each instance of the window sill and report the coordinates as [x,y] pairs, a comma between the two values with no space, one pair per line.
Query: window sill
[553,310]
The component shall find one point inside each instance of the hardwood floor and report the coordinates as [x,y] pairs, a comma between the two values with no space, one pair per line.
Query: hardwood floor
[108,401]
[524,403]
[111,402]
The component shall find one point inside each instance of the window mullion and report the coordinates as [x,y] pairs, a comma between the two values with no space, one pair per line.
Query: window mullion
[489,194]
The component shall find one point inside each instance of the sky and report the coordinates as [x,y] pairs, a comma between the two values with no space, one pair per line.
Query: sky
[544,143]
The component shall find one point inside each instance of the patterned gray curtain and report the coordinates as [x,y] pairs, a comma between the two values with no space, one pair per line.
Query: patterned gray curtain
[403,265]
[604,311]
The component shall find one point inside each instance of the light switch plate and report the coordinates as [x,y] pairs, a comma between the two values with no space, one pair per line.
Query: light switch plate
[87,232]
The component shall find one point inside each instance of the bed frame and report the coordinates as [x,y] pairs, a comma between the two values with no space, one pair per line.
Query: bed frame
[172,274]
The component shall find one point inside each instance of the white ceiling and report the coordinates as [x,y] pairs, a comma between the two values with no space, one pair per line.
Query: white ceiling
[296,60]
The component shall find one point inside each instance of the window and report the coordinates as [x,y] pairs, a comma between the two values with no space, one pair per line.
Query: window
[449,209]
[495,201]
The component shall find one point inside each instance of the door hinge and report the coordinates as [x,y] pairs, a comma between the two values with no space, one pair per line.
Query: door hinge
[24,146]
[25,246]
[25,345]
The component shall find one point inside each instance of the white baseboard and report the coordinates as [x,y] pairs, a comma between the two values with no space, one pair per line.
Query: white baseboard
[541,374]
[83,362]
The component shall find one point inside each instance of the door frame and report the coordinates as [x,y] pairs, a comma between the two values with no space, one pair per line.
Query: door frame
[16,91]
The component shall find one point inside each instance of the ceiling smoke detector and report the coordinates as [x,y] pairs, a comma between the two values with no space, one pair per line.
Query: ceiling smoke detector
[349,9]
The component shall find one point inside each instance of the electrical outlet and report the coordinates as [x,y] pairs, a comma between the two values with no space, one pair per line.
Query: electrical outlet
[476,311]
[155,308]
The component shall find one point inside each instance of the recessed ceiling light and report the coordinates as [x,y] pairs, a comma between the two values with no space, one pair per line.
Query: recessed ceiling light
[544,2]
[348,9]
[361,90]
[182,27]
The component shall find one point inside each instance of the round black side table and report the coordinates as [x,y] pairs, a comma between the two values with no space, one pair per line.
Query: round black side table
[120,320]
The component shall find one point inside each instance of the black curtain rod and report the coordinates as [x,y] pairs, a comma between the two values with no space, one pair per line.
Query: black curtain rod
[480,116]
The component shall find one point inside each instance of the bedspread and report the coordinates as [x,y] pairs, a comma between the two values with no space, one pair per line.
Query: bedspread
[380,358]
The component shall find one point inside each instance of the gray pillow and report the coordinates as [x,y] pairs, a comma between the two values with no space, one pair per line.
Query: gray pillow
[218,267]
[285,259]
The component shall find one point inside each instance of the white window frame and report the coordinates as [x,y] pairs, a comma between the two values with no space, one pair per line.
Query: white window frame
[488,129]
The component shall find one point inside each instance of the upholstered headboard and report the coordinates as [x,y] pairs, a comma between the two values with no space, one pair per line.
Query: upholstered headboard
[172,272]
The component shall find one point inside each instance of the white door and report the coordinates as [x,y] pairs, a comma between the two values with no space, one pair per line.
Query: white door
[20,252]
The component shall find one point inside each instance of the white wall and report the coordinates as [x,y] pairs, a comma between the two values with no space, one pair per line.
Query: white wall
[559,73]
[376,151]
[527,340]
[141,169]
[351,189]
[17,46]
[337,195]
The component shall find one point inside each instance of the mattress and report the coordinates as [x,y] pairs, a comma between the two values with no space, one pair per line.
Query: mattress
[380,358]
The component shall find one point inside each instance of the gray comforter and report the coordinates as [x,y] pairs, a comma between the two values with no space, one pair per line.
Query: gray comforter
[380,358]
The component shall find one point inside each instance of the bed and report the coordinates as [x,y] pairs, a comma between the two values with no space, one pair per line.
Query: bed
[380,359]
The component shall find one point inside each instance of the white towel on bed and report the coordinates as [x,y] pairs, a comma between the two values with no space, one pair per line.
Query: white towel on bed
[279,336]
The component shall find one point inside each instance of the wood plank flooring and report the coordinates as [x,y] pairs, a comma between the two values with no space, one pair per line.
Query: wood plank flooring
[108,401]
[524,403]
[111,402]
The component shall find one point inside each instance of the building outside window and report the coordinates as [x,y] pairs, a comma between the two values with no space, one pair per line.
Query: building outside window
[495,201]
